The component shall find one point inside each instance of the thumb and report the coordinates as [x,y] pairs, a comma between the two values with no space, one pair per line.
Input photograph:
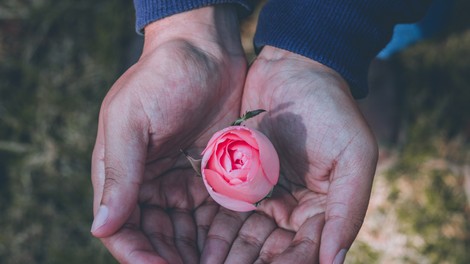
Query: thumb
[347,202]
[125,147]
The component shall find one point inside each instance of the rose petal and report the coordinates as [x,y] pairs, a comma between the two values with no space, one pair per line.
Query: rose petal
[212,141]
[229,133]
[240,150]
[255,170]
[241,132]
[225,201]
[246,135]
[223,157]
[241,174]
[207,158]
[210,157]
[232,204]
[255,189]
[268,157]
[213,164]
[242,147]
[239,187]
[219,136]
[235,181]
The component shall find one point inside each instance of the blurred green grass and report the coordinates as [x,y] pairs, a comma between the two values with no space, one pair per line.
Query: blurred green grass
[426,212]
[58,59]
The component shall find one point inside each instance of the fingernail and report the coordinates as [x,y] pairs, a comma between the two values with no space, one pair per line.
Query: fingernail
[339,259]
[100,218]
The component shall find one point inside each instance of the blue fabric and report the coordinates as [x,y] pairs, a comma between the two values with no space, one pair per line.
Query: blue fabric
[148,11]
[344,35]
[405,35]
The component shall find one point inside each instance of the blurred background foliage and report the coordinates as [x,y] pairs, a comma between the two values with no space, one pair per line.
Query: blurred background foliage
[58,59]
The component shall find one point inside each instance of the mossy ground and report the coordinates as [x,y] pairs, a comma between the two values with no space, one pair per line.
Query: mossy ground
[58,59]
[420,206]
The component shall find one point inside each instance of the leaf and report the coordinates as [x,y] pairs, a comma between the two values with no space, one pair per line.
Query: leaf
[195,163]
[248,115]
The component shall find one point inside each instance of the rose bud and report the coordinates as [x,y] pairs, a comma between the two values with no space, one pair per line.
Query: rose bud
[239,167]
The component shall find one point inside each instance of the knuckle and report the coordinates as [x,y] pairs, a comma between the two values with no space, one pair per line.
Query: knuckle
[307,242]
[185,241]
[158,236]
[232,216]
[264,258]
[353,223]
[250,240]
[203,228]
[111,178]
[218,239]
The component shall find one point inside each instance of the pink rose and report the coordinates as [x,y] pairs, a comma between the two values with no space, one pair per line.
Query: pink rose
[239,167]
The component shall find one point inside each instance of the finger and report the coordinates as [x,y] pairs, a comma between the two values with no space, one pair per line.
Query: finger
[184,228]
[204,215]
[347,201]
[278,241]
[130,245]
[125,145]
[280,207]
[305,246]
[158,227]
[221,235]
[250,239]
[97,167]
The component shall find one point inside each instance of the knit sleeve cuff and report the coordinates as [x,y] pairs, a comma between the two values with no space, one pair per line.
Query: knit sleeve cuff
[344,35]
[148,11]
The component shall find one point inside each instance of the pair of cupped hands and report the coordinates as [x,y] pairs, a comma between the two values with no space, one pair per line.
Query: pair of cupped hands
[191,81]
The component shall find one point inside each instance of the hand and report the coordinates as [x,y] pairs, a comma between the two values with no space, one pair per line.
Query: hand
[328,157]
[149,207]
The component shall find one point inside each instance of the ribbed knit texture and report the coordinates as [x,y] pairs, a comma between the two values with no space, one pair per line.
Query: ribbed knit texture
[344,35]
[148,11]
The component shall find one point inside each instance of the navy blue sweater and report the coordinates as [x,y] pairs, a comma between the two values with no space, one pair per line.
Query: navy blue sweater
[344,35]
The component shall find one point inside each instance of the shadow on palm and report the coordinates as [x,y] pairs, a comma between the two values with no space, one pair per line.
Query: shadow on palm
[176,213]
[292,201]
[175,100]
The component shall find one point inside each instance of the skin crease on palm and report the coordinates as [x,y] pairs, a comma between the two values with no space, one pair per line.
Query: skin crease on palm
[189,83]
[328,154]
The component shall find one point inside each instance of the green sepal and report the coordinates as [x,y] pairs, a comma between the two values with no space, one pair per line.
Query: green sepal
[248,115]
[266,197]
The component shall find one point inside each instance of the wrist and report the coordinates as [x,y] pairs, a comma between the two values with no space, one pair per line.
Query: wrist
[271,53]
[288,61]
[209,28]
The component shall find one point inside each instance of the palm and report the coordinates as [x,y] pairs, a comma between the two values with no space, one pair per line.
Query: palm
[321,139]
[179,96]
[300,125]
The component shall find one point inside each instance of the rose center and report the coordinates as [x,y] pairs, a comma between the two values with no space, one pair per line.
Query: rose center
[239,160]
[239,163]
